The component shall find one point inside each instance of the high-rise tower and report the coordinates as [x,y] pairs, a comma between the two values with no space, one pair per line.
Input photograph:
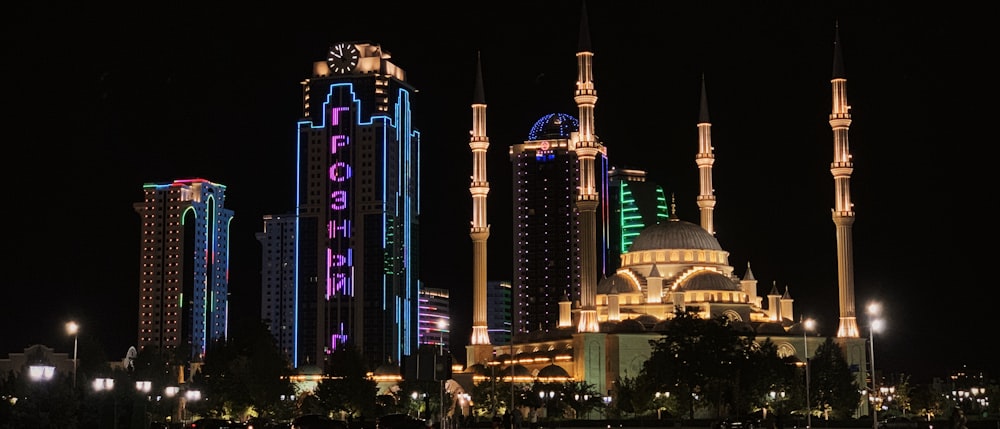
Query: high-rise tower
[560,197]
[357,206]
[184,265]
[278,306]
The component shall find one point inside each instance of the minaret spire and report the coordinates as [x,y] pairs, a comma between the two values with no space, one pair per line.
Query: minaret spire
[705,159]
[479,188]
[843,211]
[587,201]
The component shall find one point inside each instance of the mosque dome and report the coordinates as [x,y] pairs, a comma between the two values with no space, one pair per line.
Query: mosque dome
[387,369]
[617,283]
[553,371]
[770,328]
[553,126]
[674,234]
[630,325]
[710,280]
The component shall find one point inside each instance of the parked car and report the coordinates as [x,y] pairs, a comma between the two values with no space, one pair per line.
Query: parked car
[213,423]
[261,423]
[399,421]
[317,421]
[745,422]
[903,422]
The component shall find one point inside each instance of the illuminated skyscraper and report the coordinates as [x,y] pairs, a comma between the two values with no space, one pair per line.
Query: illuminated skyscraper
[184,265]
[435,323]
[357,207]
[635,204]
[547,235]
[498,314]
[278,306]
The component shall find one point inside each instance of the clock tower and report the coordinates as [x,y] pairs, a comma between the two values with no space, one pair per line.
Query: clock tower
[357,227]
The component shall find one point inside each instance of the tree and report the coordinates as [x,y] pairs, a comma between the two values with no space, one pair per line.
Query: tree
[582,397]
[631,397]
[765,373]
[699,361]
[488,396]
[926,402]
[347,388]
[245,375]
[833,387]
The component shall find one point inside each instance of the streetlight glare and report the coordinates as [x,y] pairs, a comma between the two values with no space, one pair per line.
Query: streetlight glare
[878,325]
[102,384]
[874,309]
[810,324]
[72,328]
[41,372]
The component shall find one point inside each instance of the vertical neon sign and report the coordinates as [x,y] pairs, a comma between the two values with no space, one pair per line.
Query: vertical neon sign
[339,262]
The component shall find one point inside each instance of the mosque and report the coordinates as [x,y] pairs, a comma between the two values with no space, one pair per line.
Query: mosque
[605,325]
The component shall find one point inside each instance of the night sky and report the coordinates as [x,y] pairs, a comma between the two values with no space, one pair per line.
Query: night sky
[99,102]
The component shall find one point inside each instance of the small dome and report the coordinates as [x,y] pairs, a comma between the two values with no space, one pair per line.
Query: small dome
[553,371]
[770,328]
[519,371]
[630,326]
[648,321]
[387,369]
[710,280]
[310,369]
[553,126]
[478,369]
[674,234]
[617,283]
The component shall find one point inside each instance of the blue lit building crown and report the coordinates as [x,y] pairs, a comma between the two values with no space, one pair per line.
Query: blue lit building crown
[554,126]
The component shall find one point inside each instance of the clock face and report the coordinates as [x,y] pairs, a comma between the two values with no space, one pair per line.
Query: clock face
[343,57]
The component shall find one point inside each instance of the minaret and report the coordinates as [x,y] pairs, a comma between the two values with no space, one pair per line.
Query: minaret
[843,211]
[705,159]
[587,199]
[479,188]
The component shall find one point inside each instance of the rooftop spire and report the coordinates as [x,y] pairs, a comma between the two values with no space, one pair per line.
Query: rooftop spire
[749,274]
[703,115]
[479,95]
[838,55]
[584,45]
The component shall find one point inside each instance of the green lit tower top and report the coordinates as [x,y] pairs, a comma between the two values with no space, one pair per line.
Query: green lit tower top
[635,204]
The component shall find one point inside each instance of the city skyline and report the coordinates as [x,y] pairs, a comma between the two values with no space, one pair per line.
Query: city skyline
[206,96]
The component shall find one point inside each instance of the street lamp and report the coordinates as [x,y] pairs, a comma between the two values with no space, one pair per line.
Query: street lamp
[41,372]
[144,387]
[807,325]
[107,385]
[189,396]
[73,329]
[875,324]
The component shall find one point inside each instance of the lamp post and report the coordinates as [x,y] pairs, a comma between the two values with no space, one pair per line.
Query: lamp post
[189,396]
[108,385]
[875,324]
[73,329]
[807,325]
[143,388]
